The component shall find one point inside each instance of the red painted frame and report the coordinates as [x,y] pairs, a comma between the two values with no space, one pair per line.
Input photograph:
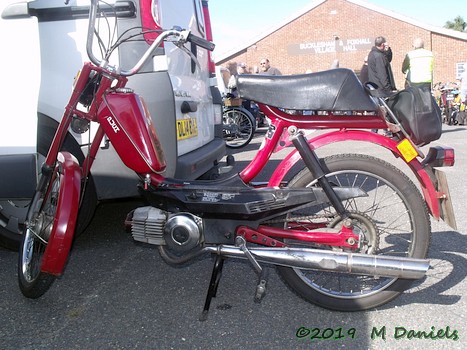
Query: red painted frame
[349,127]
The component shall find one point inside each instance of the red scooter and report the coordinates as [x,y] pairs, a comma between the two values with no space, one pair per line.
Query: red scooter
[347,232]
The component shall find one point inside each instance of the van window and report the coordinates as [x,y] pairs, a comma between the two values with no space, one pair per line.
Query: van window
[199,16]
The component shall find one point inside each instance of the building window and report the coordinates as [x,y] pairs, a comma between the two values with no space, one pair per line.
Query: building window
[460,68]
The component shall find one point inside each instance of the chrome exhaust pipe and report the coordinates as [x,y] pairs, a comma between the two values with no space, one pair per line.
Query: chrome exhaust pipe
[325,260]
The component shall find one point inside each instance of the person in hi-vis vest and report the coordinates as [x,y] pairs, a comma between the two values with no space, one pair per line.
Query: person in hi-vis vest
[418,66]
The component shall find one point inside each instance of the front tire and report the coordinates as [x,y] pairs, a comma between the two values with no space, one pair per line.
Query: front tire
[13,212]
[38,229]
[392,220]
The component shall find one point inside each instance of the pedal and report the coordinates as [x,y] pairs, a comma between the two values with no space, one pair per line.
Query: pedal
[260,291]
[263,272]
[261,287]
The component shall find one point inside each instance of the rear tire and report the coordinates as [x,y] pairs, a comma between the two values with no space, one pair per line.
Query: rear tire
[393,220]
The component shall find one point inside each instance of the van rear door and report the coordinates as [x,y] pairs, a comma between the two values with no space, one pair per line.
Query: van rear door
[176,86]
[195,122]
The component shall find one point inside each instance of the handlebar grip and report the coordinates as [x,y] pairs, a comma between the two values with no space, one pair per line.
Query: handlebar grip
[206,44]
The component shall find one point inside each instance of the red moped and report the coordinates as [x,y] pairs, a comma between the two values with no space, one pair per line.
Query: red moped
[347,232]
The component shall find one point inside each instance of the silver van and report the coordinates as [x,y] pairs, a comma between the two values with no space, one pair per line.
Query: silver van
[42,53]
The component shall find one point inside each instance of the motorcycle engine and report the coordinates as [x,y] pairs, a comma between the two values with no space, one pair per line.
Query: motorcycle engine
[181,232]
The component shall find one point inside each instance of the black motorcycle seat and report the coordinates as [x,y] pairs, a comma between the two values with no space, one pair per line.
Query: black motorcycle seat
[331,90]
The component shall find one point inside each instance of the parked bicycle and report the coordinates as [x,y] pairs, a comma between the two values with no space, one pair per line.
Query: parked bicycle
[239,125]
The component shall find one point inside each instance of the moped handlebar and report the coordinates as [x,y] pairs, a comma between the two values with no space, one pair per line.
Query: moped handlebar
[182,36]
[186,35]
[205,44]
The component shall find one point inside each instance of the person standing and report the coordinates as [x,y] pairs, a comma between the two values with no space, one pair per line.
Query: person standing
[239,70]
[379,66]
[418,66]
[380,71]
[266,69]
[454,108]
[242,68]
[364,71]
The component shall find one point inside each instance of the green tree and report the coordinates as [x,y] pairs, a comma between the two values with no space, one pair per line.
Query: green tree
[458,24]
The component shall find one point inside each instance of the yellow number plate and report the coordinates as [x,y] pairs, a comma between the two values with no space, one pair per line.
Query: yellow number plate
[407,150]
[186,128]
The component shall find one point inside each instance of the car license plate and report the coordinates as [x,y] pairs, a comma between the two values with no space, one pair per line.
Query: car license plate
[186,128]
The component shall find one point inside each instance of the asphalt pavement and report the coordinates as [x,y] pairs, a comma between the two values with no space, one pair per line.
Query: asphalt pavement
[117,294]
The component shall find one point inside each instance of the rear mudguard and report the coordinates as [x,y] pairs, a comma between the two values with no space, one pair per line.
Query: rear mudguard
[61,237]
[430,194]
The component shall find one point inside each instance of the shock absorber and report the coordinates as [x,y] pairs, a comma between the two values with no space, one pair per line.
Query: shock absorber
[312,162]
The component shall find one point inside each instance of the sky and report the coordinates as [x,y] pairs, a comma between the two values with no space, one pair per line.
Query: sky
[234,20]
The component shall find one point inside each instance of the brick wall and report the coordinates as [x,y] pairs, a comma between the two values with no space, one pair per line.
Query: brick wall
[341,30]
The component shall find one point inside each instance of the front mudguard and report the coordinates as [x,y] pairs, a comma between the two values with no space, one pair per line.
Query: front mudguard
[61,237]
[430,194]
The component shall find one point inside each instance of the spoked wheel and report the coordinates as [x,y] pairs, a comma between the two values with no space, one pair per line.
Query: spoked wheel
[238,128]
[391,220]
[38,229]
[49,227]
[13,211]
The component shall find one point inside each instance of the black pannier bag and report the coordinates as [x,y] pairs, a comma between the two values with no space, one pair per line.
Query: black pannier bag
[419,114]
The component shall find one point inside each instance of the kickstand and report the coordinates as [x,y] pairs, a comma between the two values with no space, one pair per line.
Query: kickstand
[213,284]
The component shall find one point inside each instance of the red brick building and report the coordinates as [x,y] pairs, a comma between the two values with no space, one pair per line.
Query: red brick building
[345,30]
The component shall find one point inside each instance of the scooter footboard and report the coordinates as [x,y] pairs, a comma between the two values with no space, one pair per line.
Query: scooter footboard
[61,237]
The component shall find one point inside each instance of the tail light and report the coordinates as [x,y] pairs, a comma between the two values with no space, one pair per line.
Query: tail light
[207,23]
[440,156]
[150,19]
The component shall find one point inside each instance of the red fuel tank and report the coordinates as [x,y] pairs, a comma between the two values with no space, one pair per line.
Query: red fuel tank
[128,125]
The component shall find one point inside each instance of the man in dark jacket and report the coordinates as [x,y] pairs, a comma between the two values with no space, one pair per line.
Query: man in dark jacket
[364,71]
[379,66]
